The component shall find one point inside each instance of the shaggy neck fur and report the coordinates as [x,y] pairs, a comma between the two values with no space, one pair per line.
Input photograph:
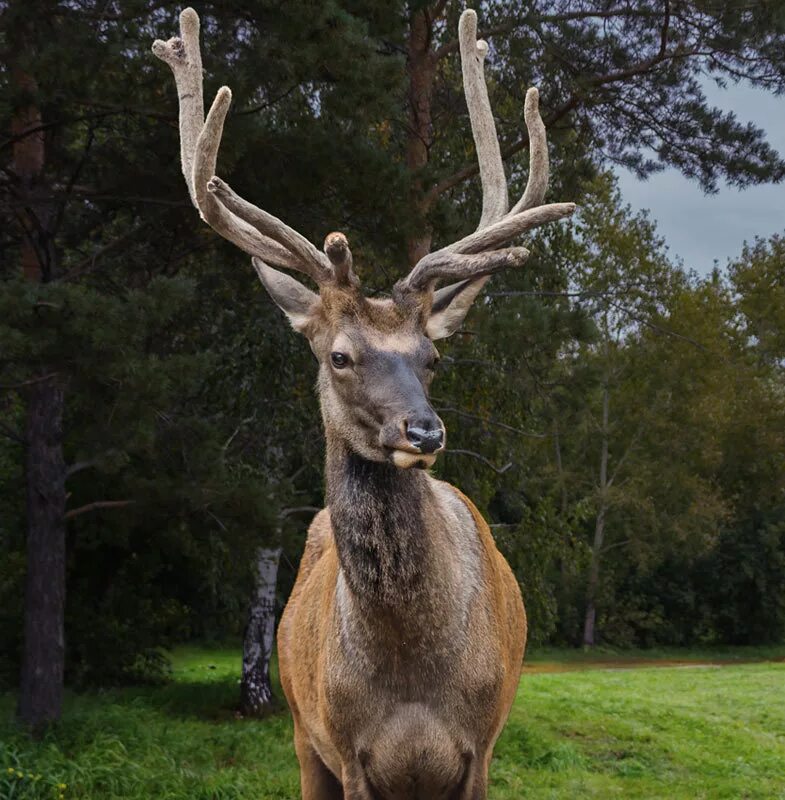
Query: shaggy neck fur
[377,514]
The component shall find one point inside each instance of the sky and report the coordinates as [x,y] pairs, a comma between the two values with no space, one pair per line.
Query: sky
[703,229]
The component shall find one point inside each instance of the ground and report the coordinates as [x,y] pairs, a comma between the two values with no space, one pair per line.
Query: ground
[666,725]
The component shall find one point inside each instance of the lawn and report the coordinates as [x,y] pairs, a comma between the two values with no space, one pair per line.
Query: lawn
[586,730]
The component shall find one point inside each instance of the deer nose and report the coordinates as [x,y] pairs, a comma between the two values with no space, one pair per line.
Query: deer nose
[425,440]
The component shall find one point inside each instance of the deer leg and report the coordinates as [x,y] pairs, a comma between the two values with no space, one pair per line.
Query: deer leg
[476,785]
[316,780]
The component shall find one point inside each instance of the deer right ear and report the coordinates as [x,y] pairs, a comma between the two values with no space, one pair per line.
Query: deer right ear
[450,306]
[294,299]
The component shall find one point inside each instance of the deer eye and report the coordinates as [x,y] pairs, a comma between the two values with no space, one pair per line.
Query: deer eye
[434,362]
[339,360]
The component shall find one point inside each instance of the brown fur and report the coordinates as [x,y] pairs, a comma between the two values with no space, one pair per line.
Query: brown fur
[411,707]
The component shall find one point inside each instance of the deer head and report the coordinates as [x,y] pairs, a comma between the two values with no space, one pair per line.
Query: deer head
[376,356]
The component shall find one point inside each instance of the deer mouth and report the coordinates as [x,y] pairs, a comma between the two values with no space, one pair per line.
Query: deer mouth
[408,459]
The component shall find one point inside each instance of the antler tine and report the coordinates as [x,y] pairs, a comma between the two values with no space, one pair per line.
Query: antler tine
[184,57]
[312,261]
[199,143]
[510,226]
[457,267]
[495,201]
[539,167]
[336,246]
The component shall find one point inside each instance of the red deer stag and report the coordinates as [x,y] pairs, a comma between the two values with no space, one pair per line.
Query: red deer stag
[401,646]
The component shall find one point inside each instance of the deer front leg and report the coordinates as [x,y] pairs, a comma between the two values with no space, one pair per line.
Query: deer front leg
[475,786]
[355,783]
[316,780]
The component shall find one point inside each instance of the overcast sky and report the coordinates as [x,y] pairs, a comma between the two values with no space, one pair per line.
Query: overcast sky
[703,228]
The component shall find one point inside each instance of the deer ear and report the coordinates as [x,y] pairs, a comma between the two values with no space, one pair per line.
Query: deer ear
[450,306]
[294,299]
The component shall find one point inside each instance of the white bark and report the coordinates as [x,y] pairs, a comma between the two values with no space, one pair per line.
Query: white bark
[599,529]
[256,694]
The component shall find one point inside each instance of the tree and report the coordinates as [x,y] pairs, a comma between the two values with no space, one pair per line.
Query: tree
[41,691]
[758,279]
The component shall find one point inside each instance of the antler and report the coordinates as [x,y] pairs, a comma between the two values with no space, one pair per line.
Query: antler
[474,256]
[255,231]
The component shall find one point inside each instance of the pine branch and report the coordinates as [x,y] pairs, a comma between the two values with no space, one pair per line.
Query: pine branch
[288,512]
[78,466]
[10,433]
[571,16]
[22,384]
[573,101]
[490,421]
[96,504]
[479,457]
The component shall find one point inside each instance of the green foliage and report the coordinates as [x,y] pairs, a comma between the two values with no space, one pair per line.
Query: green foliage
[747,573]
[694,433]
[703,732]
[189,398]
[758,278]
[544,554]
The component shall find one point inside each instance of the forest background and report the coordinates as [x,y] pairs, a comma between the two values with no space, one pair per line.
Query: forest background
[619,418]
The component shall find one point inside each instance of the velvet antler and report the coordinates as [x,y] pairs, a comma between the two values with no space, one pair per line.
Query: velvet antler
[476,256]
[253,230]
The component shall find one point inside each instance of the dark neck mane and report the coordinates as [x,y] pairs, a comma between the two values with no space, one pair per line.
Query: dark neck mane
[376,510]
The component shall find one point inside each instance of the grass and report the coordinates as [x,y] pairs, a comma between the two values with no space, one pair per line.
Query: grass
[667,732]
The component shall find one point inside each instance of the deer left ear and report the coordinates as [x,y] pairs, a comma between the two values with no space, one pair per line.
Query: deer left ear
[295,300]
[450,306]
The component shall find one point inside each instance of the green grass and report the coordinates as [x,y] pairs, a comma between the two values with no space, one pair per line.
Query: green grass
[665,732]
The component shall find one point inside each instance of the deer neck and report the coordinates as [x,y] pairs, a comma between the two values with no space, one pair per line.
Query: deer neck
[379,518]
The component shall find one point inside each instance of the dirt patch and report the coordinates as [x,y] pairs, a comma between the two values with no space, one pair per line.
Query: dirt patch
[535,667]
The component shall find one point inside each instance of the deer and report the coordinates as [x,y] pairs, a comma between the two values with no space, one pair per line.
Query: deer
[401,646]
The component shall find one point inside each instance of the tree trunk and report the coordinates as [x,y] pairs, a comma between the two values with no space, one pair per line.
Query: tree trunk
[256,694]
[421,69]
[43,655]
[599,531]
[594,580]
[565,560]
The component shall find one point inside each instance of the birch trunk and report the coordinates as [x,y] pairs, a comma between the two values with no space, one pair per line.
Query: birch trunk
[599,531]
[256,694]
[563,599]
